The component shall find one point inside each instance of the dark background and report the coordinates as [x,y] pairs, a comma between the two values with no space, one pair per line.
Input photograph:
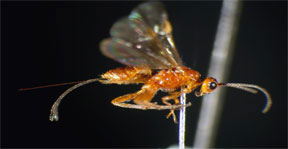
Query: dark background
[53,42]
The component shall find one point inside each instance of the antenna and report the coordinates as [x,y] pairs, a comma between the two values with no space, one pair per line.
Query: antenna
[249,88]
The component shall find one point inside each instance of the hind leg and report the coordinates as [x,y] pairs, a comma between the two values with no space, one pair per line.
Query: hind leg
[145,96]
[142,100]
[119,101]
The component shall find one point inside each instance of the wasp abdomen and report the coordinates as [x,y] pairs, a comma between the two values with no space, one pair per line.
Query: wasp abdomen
[127,75]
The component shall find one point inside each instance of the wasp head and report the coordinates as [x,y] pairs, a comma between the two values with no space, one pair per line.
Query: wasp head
[208,85]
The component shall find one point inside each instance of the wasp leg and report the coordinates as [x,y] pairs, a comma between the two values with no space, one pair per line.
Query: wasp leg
[119,101]
[145,96]
[142,100]
[174,96]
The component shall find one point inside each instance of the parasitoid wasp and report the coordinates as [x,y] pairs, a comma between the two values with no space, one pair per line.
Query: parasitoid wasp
[143,41]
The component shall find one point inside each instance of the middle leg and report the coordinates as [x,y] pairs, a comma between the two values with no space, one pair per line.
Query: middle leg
[173,96]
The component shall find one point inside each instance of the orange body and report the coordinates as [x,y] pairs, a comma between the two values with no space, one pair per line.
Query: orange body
[168,80]
[165,80]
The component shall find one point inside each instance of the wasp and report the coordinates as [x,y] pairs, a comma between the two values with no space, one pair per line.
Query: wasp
[143,42]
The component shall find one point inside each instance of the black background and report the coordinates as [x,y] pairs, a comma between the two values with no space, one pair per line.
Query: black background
[53,42]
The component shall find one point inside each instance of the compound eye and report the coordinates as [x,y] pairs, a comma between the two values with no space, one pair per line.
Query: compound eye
[212,85]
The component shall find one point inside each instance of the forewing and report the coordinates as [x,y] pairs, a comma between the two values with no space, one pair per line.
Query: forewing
[125,53]
[144,38]
[155,17]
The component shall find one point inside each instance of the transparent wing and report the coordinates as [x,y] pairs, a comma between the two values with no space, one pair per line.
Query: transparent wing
[143,38]
[155,17]
[126,53]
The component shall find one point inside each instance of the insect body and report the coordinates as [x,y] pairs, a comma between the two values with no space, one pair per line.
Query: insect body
[168,80]
[143,41]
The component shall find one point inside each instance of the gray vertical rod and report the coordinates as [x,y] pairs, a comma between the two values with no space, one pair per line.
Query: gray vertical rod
[219,68]
[182,121]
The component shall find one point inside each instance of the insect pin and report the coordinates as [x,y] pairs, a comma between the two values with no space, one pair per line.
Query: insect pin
[143,41]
